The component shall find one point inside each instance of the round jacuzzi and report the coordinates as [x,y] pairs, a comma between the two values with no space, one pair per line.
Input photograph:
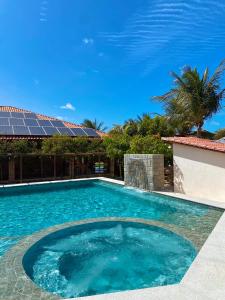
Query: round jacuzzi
[107,256]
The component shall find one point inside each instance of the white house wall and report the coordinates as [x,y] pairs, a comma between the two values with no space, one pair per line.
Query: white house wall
[199,172]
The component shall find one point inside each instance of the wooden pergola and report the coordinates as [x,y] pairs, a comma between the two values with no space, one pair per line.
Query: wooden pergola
[78,165]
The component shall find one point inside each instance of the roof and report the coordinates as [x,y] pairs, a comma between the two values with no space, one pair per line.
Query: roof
[9,112]
[197,142]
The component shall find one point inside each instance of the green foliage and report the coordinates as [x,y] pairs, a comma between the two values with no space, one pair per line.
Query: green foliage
[65,144]
[4,147]
[159,125]
[150,145]
[18,146]
[94,124]
[57,145]
[78,145]
[117,145]
[22,146]
[95,145]
[116,130]
[145,125]
[219,134]
[130,127]
[194,98]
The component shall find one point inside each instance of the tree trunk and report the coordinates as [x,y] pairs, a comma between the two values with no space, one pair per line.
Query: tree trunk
[199,130]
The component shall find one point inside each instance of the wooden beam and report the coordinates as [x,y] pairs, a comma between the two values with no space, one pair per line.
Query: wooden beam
[21,168]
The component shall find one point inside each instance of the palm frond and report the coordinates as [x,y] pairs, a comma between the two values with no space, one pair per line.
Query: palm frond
[218,73]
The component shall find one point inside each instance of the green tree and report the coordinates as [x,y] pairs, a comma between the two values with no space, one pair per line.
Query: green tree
[58,145]
[116,146]
[219,134]
[158,125]
[5,147]
[144,124]
[94,124]
[79,145]
[116,130]
[130,127]
[18,146]
[178,117]
[66,144]
[95,145]
[150,145]
[195,96]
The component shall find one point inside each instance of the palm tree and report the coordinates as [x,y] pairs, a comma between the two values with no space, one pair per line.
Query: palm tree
[130,127]
[94,124]
[194,98]
[116,130]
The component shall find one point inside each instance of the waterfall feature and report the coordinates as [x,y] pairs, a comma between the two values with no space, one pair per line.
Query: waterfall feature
[144,171]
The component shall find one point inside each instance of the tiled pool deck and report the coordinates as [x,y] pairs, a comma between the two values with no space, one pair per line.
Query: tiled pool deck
[205,279]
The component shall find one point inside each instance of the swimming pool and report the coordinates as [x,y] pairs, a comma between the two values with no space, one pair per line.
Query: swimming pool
[27,209]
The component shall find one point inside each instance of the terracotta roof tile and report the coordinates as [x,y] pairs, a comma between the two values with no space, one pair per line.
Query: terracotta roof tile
[197,142]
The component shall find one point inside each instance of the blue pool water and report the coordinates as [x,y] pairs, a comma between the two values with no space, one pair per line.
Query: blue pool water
[27,209]
[107,257]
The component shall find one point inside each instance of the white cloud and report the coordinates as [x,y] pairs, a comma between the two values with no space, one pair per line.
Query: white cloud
[87,41]
[68,106]
[161,30]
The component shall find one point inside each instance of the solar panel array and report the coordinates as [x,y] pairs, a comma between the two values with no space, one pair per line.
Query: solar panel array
[28,124]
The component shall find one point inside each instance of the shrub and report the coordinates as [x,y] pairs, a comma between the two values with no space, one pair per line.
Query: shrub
[150,145]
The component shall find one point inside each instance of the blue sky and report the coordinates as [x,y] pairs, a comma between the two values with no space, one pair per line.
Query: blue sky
[104,59]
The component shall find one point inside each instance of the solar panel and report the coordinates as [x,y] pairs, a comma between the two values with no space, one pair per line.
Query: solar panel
[4,114]
[36,131]
[4,121]
[57,123]
[65,131]
[21,130]
[6,130]
[91,132]
[17,122]
[78,132]
[50,130]
[18,115]
[30,116]
[46,123]
[30,122]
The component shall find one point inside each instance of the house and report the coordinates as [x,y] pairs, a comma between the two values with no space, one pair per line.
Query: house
[199,167]
[17,123]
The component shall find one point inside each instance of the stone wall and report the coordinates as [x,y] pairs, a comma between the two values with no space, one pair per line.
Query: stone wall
[144,171]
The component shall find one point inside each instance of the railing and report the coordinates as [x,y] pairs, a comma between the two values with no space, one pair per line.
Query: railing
[18,168]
